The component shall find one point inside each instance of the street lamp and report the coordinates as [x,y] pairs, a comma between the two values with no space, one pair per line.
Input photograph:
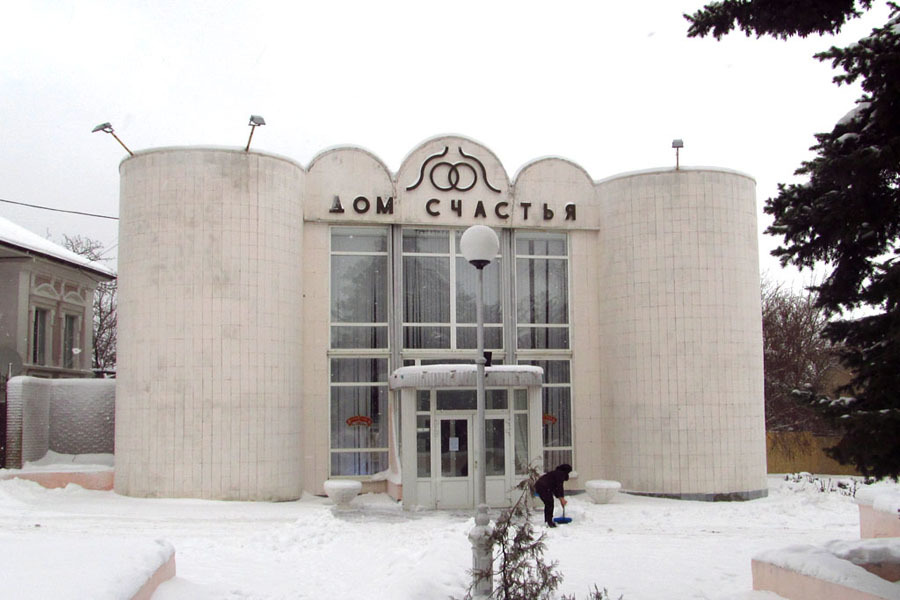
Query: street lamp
[255,121]
[678,145]
[107,128]
[479,244]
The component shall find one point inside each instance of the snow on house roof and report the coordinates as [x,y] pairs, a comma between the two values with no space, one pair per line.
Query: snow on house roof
[19,237]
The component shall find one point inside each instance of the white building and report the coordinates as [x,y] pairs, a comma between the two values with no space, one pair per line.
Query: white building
[263,306]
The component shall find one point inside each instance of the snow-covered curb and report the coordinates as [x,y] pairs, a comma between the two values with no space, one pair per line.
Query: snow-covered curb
[54,470]
[879,512]
[835,571]
[74,567]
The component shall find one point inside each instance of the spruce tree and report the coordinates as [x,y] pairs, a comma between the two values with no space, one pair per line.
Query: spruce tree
[520,571]
[846,215]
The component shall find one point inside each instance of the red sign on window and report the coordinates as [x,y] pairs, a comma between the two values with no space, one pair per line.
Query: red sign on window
[359,421]
[549,419]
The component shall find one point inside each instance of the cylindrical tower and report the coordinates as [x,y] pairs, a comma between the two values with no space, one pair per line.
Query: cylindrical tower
[682,333]
[208,400]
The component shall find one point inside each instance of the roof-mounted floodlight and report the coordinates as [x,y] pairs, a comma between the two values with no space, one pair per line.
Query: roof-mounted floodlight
[255,121]
[678,145]
[107,128]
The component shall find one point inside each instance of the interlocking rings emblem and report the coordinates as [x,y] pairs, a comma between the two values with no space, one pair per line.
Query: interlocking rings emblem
[461,176]
[458,176]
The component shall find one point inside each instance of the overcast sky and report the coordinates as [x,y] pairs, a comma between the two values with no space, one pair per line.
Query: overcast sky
[606,85]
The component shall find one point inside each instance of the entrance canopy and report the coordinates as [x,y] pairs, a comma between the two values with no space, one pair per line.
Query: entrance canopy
[437,414]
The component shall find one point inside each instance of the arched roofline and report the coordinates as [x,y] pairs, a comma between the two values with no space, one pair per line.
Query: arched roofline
[418,146]
[339,148]
[535,161]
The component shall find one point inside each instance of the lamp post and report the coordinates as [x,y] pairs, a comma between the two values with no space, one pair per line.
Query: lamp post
[107,128]
[255,121]
[479,245]
[678,145]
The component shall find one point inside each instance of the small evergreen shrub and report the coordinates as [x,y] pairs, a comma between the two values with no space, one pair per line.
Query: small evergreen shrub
[520,571]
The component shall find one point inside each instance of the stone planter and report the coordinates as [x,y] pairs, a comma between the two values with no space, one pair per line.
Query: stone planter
[342,491]
[602,491]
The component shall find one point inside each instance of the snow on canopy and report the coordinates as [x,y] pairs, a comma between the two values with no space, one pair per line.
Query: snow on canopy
[19,237]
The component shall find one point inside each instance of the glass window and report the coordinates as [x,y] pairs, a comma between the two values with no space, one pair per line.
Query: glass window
[346,370]
[456,399]
[426,288]
[541,244]
[467,337]
[358,463]
[521,400]
[454,447]
[423,446]
[359,239]
[426,241]
[70,340]
[466,399]
[521,442]
[466,292]
[554,458]
[359,417]
[557,411]
[423,401]
[39,337]
[520,431]
[542,290]
[359,287]
[439,290]
[494,447]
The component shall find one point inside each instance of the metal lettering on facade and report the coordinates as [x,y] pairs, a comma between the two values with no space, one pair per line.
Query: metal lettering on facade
[459,176]
[362,204]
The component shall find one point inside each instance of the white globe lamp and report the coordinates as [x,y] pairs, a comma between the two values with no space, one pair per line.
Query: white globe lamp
[479,244]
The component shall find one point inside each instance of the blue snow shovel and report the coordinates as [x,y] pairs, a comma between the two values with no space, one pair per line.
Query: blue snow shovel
[563,519]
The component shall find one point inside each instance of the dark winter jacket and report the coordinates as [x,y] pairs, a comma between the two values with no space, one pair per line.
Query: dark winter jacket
[553,481]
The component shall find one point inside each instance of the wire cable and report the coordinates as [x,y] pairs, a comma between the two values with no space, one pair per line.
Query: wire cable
[73,212]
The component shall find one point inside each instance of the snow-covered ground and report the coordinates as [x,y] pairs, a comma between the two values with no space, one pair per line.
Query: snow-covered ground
[638,547]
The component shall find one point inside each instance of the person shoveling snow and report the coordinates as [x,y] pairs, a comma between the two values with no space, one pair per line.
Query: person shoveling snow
[549,485]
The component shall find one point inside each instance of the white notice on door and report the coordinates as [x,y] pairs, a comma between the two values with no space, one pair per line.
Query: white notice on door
[454,444]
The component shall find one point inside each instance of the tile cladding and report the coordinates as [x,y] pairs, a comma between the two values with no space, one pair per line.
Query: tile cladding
[215,343]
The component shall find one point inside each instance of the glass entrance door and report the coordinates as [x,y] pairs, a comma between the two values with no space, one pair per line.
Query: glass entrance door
[454,481]
[445,447]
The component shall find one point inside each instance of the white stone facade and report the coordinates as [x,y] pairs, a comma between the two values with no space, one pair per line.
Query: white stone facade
[210,385]
[226,369]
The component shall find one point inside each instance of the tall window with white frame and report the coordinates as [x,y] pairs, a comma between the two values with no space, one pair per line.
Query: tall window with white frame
[439,294]
[359,420]
[70,340]
[360,278]
[39,336]
[542,314]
